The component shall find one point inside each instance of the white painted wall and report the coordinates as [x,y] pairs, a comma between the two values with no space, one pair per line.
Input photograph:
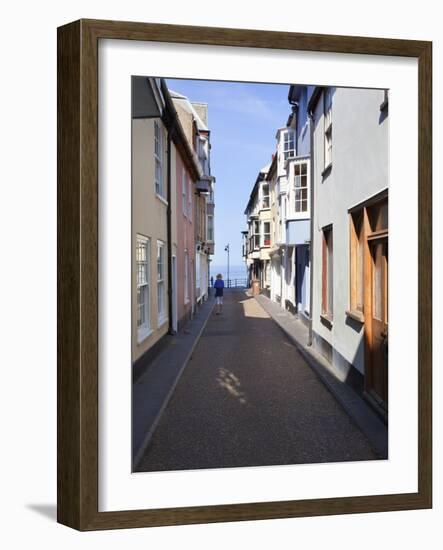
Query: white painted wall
[359,170]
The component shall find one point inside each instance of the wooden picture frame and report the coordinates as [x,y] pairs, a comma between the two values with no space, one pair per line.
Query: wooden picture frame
[77,480]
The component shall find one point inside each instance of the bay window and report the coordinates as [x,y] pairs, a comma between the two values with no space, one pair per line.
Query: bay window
[265,196]
[256,234]
[210,228]
[266,233]
[288,144]
[301,187]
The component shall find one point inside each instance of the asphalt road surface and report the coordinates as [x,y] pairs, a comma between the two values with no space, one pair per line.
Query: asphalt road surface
[248,398]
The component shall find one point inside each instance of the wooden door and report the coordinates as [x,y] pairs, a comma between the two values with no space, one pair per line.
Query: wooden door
[379,347]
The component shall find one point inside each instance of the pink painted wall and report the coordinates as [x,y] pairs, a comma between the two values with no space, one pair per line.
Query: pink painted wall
[185,240]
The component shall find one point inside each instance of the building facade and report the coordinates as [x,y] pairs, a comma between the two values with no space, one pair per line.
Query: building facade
[258,238]
[167,178]
[350,235]
[194,117]
[185,257]
[290,206]
[150,223]
[325,196]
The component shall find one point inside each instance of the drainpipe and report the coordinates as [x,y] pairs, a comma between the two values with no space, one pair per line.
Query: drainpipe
[312,206]
[169,233]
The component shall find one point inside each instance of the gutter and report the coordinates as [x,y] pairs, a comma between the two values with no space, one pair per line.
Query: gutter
[312,206]
[176,133]
[169,235]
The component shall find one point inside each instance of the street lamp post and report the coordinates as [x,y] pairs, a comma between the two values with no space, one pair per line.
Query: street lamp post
[227,250]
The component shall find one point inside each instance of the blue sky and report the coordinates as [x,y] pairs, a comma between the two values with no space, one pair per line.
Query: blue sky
[243,119]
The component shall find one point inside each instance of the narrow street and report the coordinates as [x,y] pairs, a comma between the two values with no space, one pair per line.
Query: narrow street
[248,398]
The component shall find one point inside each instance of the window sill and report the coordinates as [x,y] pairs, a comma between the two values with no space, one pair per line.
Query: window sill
[298,217]
[326,320]
[326,171]
[356,315]
[161,199]
[143,333]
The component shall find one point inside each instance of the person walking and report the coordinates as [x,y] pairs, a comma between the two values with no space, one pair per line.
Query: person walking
[219,285]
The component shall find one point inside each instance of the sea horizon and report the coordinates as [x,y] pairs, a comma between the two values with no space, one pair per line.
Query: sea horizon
[235,271]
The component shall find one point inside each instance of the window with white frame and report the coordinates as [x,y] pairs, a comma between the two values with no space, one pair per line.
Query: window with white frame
[158,155]
[184,193]
[266,234]
[301,187]
[142,259]
[328,127]
[190,199]
[256,234]
[250,237]
[288,144]
[265,195]
[161,284]
[210,228]
[186,289]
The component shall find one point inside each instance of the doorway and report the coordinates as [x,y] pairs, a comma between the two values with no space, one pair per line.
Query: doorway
[302,279]
[379,319]
[369,237]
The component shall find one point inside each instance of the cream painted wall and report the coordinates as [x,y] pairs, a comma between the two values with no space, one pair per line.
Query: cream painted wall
[148,219]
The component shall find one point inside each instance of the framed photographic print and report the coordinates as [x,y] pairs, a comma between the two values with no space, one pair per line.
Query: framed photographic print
[244,275]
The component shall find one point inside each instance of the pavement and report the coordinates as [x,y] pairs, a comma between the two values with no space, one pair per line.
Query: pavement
[153,389]
[354,405]
[248,397]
